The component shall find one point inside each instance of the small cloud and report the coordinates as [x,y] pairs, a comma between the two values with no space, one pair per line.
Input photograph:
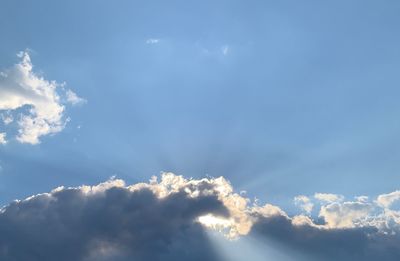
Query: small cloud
[3,138]
[386,200]
[73,98]
[345,215]
[225,49]
[152,41]
[327,197]
[304,203]
[363,199]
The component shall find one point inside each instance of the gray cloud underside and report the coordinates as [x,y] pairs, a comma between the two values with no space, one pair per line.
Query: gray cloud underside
[118,225]
[159,221]
[344,244]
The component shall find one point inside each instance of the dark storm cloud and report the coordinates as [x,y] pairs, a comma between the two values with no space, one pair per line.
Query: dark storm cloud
[116,224]
[160,221]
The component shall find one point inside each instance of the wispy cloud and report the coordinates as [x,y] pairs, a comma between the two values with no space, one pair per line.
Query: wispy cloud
[7,118]
[225,49]
[328,197]
[153,41]
[74,99]
[3,138]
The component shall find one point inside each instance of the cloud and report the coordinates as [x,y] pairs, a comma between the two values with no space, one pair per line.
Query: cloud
[225,49]
[346,215]
[111,222]
[152,41]
[304,203]
[316,243]
[167,219]
[3,138]
[348,230]
[362,198]
[73,98]
[327,197]
[34,99]
[386,200]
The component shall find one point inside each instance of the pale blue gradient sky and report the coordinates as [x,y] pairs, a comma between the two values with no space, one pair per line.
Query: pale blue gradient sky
[282,98]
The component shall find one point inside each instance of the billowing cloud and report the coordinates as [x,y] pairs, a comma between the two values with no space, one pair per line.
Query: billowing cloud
[345,215]
[35,100]
[169,220]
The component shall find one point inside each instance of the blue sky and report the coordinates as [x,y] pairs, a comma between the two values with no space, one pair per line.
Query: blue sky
[272,128]
[281,98]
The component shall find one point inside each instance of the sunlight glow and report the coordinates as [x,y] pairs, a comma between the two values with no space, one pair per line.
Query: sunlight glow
[215,223]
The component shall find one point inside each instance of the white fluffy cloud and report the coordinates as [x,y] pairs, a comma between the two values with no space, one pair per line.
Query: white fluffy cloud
[345,215]
[338,213]
[36,101]
[386,200]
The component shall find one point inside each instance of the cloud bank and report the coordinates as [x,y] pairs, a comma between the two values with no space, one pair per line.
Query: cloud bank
[36,101]
[170,219]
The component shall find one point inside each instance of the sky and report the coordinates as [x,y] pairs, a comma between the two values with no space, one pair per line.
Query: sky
[295,103]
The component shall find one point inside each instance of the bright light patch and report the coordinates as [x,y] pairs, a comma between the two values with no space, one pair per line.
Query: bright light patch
[216,223]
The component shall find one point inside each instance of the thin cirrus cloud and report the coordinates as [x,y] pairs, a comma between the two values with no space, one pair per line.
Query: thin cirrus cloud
[152,41]
[73,98]
[43,100]
[225,49]
[169,220]
[328,197]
